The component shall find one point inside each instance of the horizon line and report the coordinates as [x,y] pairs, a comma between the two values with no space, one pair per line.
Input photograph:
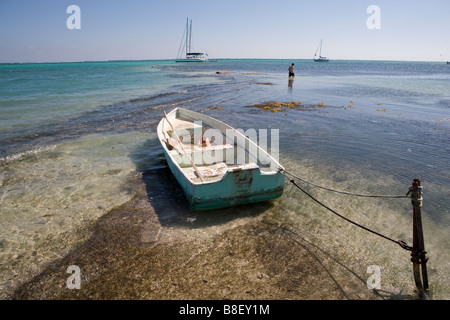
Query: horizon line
[142,60]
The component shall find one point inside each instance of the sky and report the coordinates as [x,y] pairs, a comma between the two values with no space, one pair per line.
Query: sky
[37,31]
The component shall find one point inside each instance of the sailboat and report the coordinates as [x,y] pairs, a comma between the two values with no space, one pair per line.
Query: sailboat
[190,56]
[320,59]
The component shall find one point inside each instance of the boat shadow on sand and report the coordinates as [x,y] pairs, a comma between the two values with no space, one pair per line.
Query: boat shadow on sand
[166,197]
[172,208]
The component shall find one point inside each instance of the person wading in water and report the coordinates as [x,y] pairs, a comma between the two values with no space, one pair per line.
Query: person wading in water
[291,71]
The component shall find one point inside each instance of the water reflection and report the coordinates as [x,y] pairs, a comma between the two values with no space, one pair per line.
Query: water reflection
[290,83]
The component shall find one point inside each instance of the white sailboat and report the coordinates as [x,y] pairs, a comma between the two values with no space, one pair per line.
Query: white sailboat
[320,58]
[190,56]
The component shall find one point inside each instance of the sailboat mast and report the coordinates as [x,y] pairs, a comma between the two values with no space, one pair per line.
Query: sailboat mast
[187,34]
[320,53]
[190,37]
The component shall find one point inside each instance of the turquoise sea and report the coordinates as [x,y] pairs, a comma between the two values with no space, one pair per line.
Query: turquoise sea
[75,137]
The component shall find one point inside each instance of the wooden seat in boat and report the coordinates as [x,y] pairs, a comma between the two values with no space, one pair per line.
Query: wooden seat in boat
[215,171]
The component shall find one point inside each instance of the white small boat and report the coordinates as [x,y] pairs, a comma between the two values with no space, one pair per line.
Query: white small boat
[190,56]
[215,164]
[320,58]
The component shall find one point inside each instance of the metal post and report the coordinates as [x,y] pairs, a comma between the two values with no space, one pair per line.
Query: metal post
[418,254]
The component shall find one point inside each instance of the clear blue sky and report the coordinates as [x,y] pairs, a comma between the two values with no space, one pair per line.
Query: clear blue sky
[36,31]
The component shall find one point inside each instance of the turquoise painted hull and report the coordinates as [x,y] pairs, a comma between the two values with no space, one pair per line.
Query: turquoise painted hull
[240,187]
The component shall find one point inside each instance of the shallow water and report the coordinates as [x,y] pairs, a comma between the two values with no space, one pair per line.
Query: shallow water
[72,150]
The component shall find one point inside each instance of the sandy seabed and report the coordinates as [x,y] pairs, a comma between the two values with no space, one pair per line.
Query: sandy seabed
[247,253]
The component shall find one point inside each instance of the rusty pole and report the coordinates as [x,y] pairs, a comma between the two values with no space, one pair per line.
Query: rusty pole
[418,254]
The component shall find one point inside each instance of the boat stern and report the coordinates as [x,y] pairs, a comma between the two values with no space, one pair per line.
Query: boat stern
[238,187]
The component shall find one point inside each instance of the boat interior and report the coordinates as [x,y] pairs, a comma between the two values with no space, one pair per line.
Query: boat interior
[206,154]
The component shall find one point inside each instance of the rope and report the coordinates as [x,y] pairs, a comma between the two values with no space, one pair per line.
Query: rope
[399,242]
[344,192]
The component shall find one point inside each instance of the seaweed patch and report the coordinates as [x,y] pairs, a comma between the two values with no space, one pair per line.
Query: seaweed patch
[276,106]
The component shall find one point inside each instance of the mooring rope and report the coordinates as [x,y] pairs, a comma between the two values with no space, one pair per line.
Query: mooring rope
[344,192]
[401,243]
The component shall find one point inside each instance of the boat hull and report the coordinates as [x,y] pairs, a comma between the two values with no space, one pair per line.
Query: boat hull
[190,60]
[239,184]
[241,187]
